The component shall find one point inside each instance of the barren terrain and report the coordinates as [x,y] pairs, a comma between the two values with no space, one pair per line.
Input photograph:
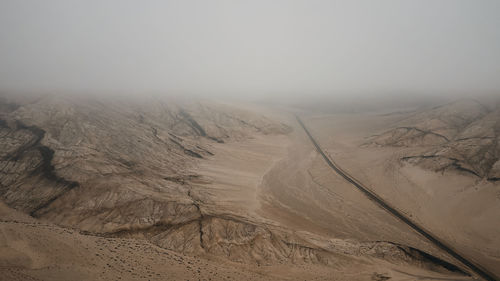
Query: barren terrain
[437,165]
[187,190]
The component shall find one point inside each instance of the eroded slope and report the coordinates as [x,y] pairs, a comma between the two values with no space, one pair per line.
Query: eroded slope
[461,136]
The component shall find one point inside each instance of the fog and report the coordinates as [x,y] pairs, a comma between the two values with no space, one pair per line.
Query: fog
[251,49]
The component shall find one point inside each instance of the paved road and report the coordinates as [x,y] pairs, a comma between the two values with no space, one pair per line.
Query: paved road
[478,269]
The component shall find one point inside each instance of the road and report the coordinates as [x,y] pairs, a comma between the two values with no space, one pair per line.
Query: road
[472,265]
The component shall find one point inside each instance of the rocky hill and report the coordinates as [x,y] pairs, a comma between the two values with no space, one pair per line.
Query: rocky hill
[462,136]
[107,167]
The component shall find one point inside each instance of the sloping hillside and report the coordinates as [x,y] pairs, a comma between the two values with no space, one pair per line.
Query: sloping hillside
[461,136]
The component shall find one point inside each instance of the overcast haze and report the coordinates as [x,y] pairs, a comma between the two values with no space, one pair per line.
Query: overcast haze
[250,48]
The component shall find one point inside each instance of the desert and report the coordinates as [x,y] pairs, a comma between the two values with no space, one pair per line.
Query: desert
[221,185]
[249,140]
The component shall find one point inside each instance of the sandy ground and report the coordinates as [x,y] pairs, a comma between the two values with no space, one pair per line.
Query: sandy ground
[458,208]
[236,173]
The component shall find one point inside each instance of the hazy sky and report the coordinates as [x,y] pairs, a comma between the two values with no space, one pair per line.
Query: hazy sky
[250,47]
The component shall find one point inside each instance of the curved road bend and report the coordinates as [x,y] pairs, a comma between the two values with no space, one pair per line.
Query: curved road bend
[478,269]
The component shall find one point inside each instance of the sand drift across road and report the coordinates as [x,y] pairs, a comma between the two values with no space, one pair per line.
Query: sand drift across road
[478,269]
